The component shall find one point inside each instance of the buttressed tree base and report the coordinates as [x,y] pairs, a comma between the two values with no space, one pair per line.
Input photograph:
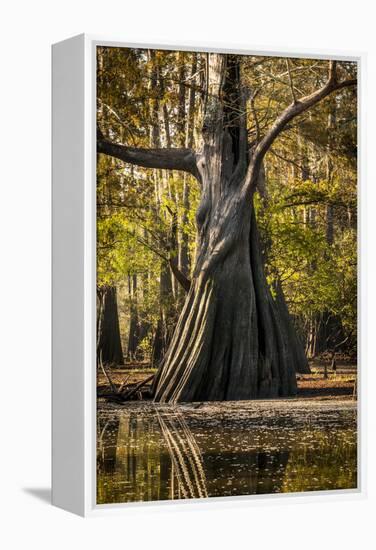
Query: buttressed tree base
[232,340]
[205,274]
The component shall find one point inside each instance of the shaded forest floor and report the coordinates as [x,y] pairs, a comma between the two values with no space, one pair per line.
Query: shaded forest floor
[313,386]
[337,385]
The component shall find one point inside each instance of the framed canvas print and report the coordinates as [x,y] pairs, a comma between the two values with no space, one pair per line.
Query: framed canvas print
[205,274]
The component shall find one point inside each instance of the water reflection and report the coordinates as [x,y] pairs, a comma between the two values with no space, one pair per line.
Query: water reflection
[160,453]
[186,459]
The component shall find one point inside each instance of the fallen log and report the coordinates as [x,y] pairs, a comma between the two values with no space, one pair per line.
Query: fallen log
[138,386]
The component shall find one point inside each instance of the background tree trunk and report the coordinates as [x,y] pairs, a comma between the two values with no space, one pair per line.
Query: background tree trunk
[109,342]
[137,329]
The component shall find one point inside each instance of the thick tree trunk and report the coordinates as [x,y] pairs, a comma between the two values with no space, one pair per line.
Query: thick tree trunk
[212,351]
[109,348]
[230,342]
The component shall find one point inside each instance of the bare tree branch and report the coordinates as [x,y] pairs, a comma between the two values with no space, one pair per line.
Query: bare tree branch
[290,80]
[122,123]
[254,114]
[293,110]
[165,159]
[179,275]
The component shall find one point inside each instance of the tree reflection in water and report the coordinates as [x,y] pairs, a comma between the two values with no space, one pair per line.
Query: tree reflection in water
[165,453]
[107,445]
[186,459]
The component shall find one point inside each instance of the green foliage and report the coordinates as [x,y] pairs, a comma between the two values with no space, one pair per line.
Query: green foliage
[147,218]
[317,276]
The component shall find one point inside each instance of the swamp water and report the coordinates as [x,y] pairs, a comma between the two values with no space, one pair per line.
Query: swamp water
[160,452]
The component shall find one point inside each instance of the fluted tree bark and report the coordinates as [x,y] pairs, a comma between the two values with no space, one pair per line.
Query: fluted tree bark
[231,341]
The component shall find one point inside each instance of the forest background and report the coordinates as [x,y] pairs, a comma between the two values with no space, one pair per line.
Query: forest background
[306,200]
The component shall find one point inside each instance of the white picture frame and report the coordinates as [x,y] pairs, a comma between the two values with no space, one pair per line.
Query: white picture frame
[74,277]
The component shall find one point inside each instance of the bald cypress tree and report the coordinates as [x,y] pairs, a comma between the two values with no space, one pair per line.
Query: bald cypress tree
[231,341]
